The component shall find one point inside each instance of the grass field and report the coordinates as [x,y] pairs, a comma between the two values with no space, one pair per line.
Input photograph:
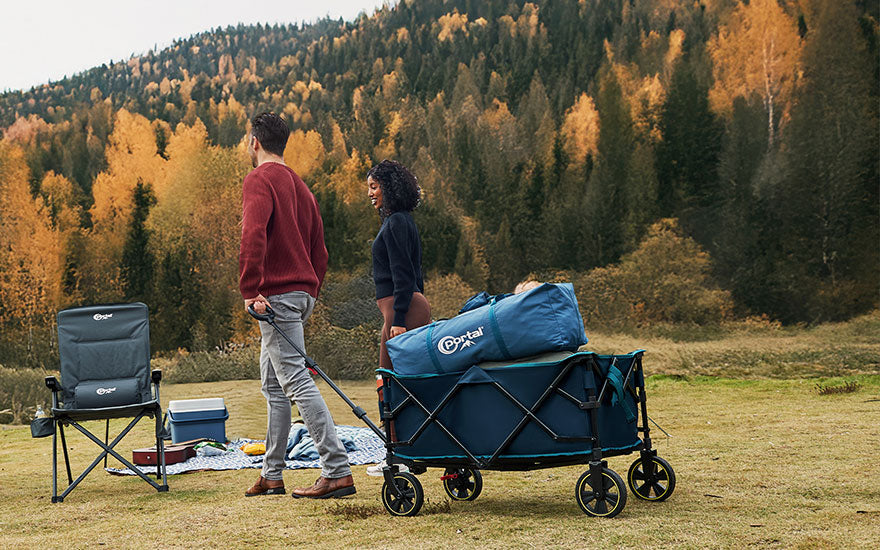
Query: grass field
[764,463]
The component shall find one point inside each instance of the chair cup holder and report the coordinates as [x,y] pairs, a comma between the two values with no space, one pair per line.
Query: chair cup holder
[42,427]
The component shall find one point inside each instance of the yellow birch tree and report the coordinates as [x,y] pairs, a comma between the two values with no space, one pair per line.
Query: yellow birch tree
[581,129]
[756,52]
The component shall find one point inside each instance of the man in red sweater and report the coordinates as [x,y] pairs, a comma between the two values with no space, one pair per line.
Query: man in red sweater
[282,264]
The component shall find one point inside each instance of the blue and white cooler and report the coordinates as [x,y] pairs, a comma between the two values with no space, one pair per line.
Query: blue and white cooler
[197,418]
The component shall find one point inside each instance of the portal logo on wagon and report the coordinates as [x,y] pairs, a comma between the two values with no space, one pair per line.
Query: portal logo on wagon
[450,344]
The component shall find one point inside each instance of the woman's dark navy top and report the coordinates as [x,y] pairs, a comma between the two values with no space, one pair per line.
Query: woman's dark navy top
[397,262]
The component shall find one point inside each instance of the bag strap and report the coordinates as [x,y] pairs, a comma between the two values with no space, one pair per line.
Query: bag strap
[429,342]
[496,330]
[615,378]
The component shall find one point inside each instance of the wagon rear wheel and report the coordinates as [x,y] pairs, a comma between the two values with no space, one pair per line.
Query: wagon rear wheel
[462,483]
[652,479]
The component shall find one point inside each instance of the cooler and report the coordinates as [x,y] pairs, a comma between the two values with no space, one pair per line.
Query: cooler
[195,418]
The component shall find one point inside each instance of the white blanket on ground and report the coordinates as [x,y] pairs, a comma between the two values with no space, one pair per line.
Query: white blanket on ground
[370,450]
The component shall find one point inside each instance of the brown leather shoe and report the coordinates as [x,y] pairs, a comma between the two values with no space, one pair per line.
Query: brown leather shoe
[327,488]
[265,486]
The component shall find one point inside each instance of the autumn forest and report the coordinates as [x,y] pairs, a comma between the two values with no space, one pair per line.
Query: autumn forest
[554,138]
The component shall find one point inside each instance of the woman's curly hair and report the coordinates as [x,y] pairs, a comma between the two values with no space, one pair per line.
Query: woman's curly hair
[400,189]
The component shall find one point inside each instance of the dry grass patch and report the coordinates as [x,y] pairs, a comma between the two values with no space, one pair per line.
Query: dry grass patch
[760,463]
[831,350]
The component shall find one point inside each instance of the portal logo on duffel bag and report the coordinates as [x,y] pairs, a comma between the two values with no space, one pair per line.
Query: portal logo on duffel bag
[450,344]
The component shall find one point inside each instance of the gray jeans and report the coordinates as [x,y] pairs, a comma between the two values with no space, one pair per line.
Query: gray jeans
[286,380]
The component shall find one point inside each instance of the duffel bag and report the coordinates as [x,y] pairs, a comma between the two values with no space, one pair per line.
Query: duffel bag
[543,319]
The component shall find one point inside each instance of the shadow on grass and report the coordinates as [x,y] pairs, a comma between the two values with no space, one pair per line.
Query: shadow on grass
[351,511]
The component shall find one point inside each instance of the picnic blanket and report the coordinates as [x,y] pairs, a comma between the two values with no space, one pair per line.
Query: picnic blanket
[363,447]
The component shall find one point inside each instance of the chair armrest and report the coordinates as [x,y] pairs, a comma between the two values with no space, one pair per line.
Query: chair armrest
[52,384]
[156,375]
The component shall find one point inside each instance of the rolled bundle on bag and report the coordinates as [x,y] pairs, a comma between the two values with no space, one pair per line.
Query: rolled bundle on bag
[540,320]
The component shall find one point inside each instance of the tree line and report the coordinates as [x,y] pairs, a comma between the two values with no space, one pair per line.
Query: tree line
[545,135]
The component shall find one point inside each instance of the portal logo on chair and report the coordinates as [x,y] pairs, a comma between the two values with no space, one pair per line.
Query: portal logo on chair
[102,316]
[105,391]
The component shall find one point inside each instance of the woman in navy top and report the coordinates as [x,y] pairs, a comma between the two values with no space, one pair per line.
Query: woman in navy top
[397,253]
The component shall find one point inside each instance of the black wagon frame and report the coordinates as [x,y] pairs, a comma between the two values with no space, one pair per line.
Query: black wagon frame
[643,474]
[496,461]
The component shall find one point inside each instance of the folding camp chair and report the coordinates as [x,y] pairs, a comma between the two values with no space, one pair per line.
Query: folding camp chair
[105,373]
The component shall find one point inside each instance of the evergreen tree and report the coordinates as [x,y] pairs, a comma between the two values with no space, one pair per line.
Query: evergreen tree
[176,306]
[606,200]
[831,189]
[440,236]
[741,242]
[525,234]
[137,258]
[687,156]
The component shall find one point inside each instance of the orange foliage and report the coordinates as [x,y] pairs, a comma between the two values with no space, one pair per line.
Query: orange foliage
[581,129]
[31,251]
[387,147]
[304,152]
[450,24]
[61,202]
[131,157]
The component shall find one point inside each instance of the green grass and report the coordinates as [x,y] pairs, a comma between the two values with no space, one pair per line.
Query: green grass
[792,469]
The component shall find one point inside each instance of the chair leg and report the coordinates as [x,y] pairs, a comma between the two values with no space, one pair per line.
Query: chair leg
[161,472]
[106,439]
[66,457]
[158,465]
[55,464]
[160,448]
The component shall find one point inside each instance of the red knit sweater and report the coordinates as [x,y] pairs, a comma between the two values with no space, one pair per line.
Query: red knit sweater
[282,235]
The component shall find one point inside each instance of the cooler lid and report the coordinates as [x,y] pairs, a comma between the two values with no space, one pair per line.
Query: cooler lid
[189,405]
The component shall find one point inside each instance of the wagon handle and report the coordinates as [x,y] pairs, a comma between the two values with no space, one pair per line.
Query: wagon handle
[269,316]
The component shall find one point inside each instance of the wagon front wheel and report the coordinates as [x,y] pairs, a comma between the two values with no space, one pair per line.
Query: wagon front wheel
[462,483]
[607,502]
[409,497]
[651,479]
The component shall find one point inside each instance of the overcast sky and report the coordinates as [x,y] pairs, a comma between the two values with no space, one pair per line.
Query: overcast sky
[43,40]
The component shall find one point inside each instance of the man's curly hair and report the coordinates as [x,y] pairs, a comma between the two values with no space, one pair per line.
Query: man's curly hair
[400,189]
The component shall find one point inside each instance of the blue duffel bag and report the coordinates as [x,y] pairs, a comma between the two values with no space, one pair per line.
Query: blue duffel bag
[543,319]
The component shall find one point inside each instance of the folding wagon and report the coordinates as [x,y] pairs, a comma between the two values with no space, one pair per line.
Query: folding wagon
[554,410]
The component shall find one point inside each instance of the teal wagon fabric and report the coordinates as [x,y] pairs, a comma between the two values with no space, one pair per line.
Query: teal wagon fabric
[481,416]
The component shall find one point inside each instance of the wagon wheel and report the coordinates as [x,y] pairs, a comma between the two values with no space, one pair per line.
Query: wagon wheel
[411,495]
[653,481]
[613,501]
[462,483]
